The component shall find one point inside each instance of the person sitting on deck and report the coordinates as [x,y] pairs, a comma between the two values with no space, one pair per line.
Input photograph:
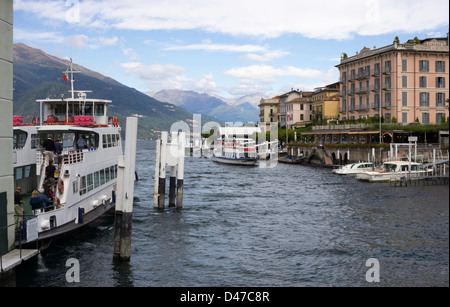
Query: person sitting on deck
[35,201]
[44,199]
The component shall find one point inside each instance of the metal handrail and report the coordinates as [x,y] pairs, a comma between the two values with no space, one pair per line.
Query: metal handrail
[25,218]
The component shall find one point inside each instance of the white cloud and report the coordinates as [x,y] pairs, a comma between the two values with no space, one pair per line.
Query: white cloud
[130,54]
[153,72]
[207,46]
[262,78]
[324,19]
[207,84]
[79,41]
[34,36]
[108,41]
[267,57]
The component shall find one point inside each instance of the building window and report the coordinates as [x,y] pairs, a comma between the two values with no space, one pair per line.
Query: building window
[404,99]
[440,99]
[423,82]
[425,118]
[424,66]
[404,81]
[405,117]
[440,66]
[440,82]
[387,66]
[376,69]
[404,65]
[440,118]
[424,99]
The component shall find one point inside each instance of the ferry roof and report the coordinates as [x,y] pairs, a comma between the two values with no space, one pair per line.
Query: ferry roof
[239,130]
[51,128]
[47,100]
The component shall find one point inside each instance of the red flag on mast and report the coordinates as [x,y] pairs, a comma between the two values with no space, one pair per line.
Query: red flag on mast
[66,75]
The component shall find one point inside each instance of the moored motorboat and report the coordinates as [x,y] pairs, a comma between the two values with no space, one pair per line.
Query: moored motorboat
[395,171]
[354,168]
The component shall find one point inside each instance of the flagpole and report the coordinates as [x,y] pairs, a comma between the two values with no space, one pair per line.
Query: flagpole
[71,78]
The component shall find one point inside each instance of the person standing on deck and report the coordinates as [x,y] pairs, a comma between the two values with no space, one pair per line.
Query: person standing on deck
[49,148]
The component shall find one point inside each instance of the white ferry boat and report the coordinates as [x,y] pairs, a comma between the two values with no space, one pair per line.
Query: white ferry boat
[236,146]
[354,168]
[394,171]
[85,175]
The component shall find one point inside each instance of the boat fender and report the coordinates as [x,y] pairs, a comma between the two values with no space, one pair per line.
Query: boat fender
[45,224]
[60,187]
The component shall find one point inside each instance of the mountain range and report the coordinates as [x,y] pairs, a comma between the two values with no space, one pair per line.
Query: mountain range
[244,109]
[38,75]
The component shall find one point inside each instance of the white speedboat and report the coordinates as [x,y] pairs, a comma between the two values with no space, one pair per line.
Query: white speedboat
[354,168]
[394,171]
[85,176]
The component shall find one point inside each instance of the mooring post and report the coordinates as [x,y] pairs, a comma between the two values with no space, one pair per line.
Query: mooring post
[172,186]
[180,173]
[125,193]
[162,171]
[157,166]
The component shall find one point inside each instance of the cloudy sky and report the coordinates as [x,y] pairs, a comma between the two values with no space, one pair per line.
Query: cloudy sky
[228,47]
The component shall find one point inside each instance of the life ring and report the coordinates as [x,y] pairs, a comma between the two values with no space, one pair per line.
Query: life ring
[115,122]
[60,187]
[57,203]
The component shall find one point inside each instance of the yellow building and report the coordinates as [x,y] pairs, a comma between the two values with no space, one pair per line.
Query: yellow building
[326,104]
[269,110]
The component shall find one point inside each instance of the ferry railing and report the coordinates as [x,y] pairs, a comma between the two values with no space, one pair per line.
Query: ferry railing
[74,157]
[20,232]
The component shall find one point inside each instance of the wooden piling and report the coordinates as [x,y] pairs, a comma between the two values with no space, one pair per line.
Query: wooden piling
[124,195]
[162,171]
[172,186]
[180,174]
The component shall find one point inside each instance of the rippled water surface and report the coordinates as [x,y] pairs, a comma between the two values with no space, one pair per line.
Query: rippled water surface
[291,225]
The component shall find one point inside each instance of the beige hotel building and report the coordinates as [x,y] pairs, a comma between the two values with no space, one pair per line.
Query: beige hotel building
[408,82]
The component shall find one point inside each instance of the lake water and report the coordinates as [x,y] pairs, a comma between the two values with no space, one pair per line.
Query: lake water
[292,225]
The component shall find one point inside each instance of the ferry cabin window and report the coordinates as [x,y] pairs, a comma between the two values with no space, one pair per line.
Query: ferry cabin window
[102,176]
[88,110]
[96,179]
[99,109]
[68,140]
[110,140]
[20,137]
[90,182]
[35,141]
[19,173]
[107,177]
[83,185]
[75,186]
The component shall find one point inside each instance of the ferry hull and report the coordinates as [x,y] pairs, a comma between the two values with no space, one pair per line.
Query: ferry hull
[243,161]
[72,228]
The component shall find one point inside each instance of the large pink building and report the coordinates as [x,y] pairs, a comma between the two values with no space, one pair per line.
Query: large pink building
[408,82]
